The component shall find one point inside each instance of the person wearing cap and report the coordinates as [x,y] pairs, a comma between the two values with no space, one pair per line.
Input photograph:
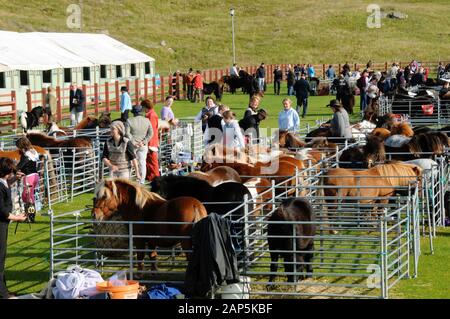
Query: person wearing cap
[250,124]
[76,103]
[288,119]
[125,103]
[340,123]
[139,131]
[119,153]
[152,162]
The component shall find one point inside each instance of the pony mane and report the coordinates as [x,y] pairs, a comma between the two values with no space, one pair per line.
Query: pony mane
[402,129]
[433,142]
[399,174]
[142,195]
[84,123]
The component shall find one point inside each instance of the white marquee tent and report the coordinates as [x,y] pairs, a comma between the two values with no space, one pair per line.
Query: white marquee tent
[37,59]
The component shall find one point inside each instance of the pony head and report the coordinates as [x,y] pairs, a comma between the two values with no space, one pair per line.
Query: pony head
[122,195]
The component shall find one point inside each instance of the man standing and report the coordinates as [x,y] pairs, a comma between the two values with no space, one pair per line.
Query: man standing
[77,100]
[190,84]
[277,78]
[331,74]
[290,78]
[288,119]
[139,131]
[125,104]
[362,84]
[153,144]
[198,87]
[261,76]
[302,89]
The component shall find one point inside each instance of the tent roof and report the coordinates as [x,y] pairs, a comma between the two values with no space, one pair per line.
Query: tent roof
[46,51]
[97,48]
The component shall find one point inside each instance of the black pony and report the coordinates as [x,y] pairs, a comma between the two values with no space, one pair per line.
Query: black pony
[280,237]
[229,195]
[28,120]
[372,153]
[213,87]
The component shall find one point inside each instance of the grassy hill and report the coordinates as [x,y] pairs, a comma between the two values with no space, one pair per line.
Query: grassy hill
[198,33]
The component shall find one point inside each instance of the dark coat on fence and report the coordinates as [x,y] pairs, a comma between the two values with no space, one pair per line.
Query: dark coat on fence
[292,210]
[213,260]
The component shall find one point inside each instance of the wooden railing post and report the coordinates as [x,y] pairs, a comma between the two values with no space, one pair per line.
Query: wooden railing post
[137,90]
[170,85]
[107,101]
[162,89]
[385,66]
[154,89]
[146,88]
[85,100]
[96,98]
[58,104]
[117,97]
[177,86]
[14,109]
[29,100]
[323,71]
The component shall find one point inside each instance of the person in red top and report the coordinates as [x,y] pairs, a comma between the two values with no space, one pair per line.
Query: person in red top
[198,87]
[153,144]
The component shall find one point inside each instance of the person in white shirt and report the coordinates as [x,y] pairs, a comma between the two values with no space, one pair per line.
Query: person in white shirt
[232,134]
[288,119]
[234,70]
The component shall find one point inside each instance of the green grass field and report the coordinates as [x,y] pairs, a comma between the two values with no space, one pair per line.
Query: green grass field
[28,254]
[197,33]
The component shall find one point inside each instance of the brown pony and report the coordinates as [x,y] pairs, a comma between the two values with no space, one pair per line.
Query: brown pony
[381,133]
[43,140]
[289,140]
[218,175]
[136,204]
[382,181]
[402,129]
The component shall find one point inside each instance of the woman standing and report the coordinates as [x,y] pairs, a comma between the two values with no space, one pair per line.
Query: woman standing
[50,104]
[7,171]
[206,112]
[119,153]
[232,135]
[252,106]
[167,112]
[28,167]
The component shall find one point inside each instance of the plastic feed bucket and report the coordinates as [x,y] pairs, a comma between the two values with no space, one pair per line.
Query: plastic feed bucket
[129,290]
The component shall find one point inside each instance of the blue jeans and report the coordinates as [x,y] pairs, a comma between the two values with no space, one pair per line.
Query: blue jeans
[261,84]
[302,100]
[363,103]
[290,90]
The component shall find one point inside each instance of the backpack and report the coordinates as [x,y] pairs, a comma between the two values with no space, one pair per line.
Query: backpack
[164,292]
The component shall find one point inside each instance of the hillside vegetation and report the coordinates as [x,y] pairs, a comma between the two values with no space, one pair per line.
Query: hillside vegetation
[197,33]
